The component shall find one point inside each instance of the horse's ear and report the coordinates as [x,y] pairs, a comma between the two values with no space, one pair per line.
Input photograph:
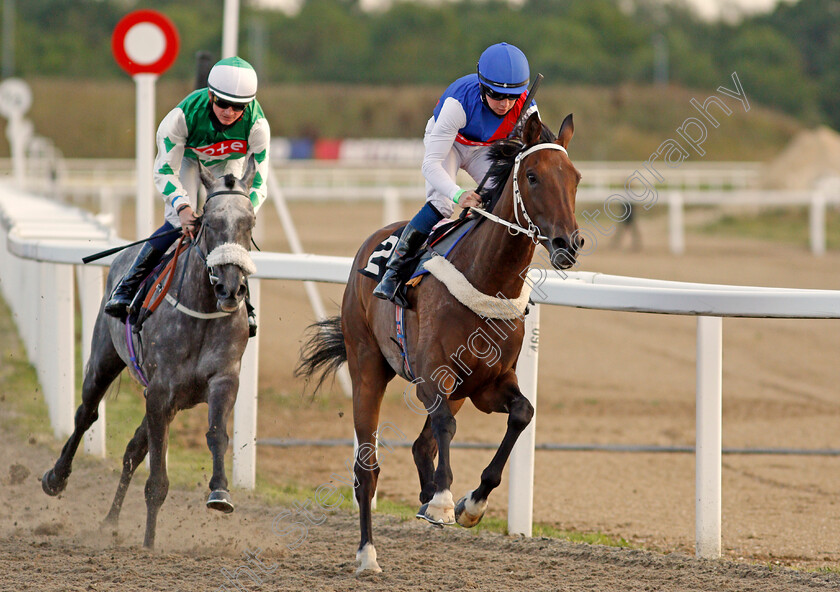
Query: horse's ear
[532,130]
[207,178]
[250,171]
[567,130]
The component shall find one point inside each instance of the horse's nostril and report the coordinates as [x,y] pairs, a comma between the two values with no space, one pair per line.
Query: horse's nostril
[560,244]
[241,291]
[221,291]
[579,242]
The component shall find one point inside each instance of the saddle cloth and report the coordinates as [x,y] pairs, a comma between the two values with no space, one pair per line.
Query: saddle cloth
[441,242]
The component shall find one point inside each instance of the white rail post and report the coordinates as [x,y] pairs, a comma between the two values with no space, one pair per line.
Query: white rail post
[390,205]
[708,437]
[43,338]
[817,219]
[311,288]
[245,408]
[521,472]
[29,309]
[56,364]
[89,280]
[676,223]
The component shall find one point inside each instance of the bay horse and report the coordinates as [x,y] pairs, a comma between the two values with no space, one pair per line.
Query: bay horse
[192,350]
[532,179]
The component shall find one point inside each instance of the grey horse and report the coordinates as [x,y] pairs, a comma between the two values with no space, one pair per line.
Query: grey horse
[191,353]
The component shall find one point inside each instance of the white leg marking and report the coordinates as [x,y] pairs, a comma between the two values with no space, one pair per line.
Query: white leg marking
[442,508]
[473,511]
[475,508]
[366,558]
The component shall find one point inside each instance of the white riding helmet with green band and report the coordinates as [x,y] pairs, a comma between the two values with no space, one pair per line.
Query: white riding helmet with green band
[234,80]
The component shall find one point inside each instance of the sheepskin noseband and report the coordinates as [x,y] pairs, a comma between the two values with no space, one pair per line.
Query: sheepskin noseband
[232,254]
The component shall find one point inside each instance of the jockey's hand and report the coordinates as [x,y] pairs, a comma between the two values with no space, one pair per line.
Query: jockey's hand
[469,199]
[187,217]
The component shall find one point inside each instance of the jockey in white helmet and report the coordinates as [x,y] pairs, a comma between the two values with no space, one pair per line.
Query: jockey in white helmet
[222,126]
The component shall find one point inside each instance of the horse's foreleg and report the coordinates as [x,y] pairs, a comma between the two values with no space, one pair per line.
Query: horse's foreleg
[135,452]
[220,402]
[157,485]
[440,509]
[424,450]
[470,508]
[104,366]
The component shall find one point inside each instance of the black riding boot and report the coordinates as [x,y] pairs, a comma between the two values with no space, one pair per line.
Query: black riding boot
[409,242]
[125,290]
[252,314]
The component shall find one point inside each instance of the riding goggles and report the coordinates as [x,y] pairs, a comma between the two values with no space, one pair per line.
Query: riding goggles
[497,96]
[223,104]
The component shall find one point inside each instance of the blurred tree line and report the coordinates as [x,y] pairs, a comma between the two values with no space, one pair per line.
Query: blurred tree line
[786,59]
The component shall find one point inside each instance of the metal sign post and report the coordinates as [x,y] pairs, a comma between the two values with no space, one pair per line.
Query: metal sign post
[145,44]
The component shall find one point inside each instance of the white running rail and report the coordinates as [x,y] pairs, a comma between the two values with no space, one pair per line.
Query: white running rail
[42,241]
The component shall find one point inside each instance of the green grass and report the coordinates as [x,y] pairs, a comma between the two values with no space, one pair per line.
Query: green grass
[788,225]
[24,411]
[288,493]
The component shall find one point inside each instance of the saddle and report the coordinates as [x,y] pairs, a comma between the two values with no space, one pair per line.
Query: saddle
[441,242]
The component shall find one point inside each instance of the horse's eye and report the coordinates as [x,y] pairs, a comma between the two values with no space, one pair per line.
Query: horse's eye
[532,178]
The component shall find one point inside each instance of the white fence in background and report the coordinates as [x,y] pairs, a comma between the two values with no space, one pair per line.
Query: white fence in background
[111,182]
[42,241]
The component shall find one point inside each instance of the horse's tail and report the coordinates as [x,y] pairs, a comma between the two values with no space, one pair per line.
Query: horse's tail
[323,352]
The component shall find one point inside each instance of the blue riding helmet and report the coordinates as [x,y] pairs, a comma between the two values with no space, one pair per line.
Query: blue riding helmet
[503,68]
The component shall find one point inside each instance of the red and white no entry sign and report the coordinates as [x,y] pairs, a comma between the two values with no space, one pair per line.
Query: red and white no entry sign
[145,42]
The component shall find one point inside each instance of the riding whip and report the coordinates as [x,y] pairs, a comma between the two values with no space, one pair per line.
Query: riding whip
[107,252]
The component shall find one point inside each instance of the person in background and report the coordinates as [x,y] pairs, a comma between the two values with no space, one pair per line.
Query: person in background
[221,125]
[473,112]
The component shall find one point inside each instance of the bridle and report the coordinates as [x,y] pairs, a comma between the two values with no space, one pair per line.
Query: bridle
[234,253]
[532,231]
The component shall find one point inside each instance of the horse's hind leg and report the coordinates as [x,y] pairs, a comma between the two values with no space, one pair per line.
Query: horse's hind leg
[135,452]
[104,366]
[220,402]
[424,450]
[370,374]
[158,417]
[470,508]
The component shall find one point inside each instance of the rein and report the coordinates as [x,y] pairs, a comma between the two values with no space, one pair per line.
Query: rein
[533,231]
[227,253]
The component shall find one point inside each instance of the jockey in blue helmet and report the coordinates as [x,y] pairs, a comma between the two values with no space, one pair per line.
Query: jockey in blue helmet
[473,112]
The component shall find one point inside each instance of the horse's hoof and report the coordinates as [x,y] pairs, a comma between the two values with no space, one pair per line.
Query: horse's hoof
[469,513]
[366,558]
[220,500]
[51,484]
[435,518]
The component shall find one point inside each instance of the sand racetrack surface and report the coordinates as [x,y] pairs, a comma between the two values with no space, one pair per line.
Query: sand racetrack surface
[605,378]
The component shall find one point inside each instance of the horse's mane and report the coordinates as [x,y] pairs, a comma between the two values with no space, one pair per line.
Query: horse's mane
[502,155]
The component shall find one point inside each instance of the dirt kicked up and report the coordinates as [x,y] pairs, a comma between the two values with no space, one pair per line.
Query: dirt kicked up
[605,378]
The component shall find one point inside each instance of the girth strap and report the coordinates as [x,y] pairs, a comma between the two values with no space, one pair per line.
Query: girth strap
[402,342]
